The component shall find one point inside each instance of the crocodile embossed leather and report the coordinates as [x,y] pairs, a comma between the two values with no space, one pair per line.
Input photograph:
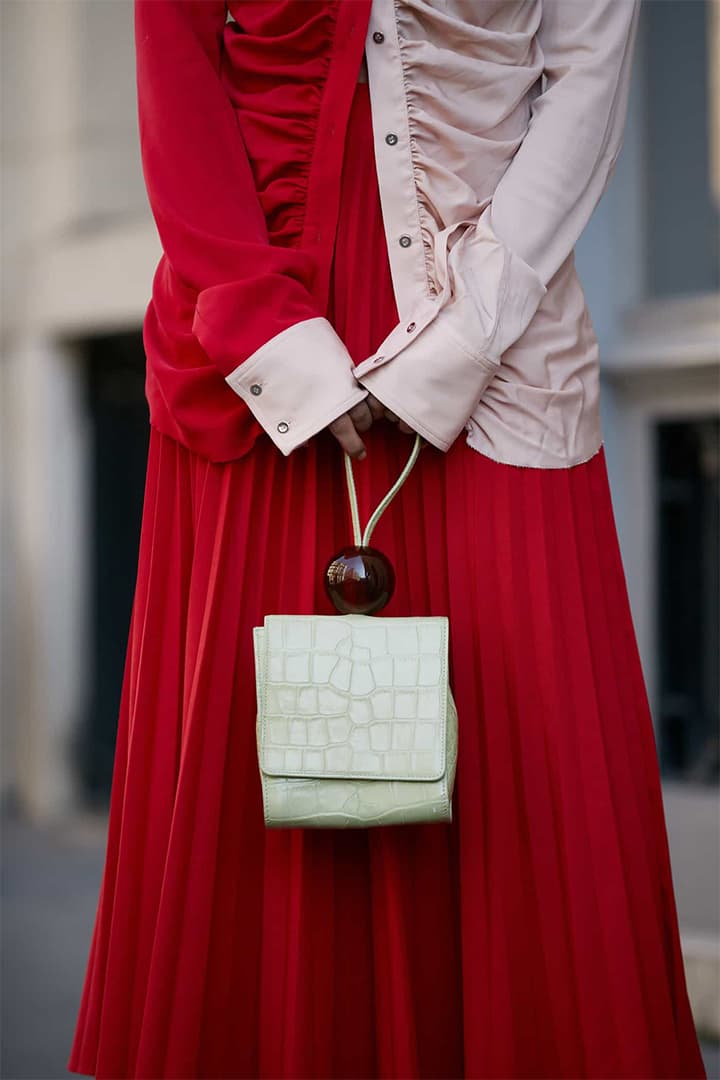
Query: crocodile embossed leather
[356,721]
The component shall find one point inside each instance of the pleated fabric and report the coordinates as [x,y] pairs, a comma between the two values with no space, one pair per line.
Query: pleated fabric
[536,935]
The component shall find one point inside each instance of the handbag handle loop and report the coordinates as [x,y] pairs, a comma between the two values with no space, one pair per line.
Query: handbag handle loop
[363,539]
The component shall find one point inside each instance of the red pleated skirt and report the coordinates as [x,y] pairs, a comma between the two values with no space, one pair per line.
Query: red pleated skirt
[535,936]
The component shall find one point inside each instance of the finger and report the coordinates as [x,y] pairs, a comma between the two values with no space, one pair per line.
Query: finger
[401,424]
[344,431]
[361,416]
[376,407]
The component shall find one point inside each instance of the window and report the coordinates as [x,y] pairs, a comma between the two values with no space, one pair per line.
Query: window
[683,226]
[688,465]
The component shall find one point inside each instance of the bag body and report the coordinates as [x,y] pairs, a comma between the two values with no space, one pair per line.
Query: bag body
[356,722]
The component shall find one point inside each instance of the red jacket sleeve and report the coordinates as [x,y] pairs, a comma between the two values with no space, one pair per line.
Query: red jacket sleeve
[201,188]
[213,231]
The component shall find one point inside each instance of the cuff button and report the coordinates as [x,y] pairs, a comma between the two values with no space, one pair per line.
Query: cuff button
[256,389]
[410,327]
[283,427]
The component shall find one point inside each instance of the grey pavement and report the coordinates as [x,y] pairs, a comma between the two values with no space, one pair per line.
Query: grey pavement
[51,878]
[50,884]
[693,825]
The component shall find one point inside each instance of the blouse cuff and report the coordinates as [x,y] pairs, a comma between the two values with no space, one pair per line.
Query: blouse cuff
[433,368]
[434,384]
[298,382]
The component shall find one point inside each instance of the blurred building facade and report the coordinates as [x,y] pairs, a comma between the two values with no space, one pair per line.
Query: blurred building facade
[79,249]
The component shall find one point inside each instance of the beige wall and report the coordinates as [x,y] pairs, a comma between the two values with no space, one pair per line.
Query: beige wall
[78,251]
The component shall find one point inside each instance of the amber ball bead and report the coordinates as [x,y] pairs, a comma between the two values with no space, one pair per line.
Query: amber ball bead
[359,580]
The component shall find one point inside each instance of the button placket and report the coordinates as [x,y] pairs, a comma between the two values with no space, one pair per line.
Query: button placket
[398,338]
[395,175]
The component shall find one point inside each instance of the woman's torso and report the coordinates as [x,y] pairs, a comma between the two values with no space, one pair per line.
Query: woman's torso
[453,84]
[471,70]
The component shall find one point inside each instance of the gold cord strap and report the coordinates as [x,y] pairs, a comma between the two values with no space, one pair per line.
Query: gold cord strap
[363,539]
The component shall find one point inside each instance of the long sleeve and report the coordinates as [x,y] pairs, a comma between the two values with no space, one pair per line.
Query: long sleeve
[254,314]
[498,272]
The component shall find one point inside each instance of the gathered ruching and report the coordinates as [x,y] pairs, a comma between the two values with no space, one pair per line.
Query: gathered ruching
[278,60]
[457,166]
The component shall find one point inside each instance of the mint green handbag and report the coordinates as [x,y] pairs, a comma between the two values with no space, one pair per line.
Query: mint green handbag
[356,722]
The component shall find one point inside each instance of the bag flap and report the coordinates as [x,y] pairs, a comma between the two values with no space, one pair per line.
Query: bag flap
[336,690]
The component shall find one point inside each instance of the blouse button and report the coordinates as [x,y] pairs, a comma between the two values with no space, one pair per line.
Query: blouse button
[256,389]
[405,241]
[410,327]
[378,37]
[391,138]
[283,427]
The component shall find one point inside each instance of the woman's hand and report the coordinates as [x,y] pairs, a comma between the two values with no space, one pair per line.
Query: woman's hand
[348,427]
[380,412]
